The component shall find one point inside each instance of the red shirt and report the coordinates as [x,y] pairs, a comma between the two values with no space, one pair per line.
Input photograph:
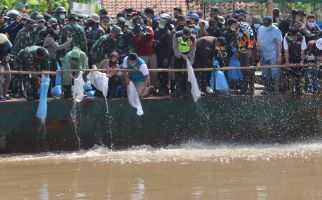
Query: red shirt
[144,46]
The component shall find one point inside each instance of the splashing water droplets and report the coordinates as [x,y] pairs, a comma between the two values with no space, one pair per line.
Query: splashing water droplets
[73,114]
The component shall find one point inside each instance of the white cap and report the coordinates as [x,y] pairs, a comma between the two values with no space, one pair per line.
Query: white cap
[165,16]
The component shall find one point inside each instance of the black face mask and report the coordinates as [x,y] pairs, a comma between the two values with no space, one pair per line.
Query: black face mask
[113,62]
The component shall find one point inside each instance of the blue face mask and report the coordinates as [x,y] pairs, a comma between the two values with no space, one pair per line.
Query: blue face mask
[257,26]
[62,16]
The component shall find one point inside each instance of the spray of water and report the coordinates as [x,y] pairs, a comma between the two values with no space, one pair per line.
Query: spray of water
[109,118]
[184,153]
[73,115]
[43,130]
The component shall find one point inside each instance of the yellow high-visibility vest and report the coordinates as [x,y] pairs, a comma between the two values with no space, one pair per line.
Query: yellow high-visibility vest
[184,46]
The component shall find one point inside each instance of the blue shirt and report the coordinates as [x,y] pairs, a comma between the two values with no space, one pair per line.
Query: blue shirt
[319,23]
[268,41]
[136,76]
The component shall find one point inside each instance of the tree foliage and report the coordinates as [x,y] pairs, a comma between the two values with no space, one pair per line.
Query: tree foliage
[39,5]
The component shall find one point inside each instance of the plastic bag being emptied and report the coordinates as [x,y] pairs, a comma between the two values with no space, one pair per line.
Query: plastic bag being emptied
[134,99]
[100,81]
[78,88]
[42,106]
[195,91]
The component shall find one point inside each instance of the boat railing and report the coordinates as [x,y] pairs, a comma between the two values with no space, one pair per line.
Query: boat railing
[197,69]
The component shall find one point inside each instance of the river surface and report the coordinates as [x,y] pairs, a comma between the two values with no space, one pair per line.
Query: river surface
[188,171]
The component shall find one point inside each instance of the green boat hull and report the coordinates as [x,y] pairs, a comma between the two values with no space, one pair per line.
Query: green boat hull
[233,119]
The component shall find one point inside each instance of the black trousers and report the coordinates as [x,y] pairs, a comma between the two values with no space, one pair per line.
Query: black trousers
[182,85]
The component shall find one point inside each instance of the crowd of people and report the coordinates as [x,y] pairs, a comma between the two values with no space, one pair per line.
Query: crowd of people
[31,41]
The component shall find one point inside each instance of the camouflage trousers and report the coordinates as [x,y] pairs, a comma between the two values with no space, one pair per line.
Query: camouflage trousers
[4,79]
[26,86]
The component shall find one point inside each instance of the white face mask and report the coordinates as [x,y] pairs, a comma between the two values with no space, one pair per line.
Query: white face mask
[311,24]
[62,16]
[56,32]
[41,25]
[162,24]
[89,28]
[257,26]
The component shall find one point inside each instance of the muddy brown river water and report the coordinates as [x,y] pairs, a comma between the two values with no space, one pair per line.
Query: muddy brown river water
[189,171]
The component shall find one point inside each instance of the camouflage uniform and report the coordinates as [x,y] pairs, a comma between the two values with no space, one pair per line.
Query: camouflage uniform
[104,46]
[78,34]
[22,41]
[124,44]
[101,49]
[44,32]
[37,30]
[93,35]
[26,61]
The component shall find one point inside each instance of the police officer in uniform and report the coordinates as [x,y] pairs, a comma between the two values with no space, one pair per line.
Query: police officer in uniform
[184,47]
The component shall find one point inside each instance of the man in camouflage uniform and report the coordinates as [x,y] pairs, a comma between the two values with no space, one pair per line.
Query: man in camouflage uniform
[77,32]
[104,46]
[60,15]
[33,58]
[23,38]
[44,32]
[124,44]
[40,26]
[95,31]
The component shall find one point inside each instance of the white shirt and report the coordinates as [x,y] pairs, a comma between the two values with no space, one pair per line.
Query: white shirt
[303,44]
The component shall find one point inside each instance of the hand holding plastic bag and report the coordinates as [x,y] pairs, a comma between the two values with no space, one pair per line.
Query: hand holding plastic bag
[78,88]
[195,91]
[100,81]
[134,99]
[234,76]
[57,89]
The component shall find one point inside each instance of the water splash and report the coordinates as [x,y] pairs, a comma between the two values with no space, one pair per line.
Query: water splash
[110,119]
[185,153]
[44,134]
[73,115]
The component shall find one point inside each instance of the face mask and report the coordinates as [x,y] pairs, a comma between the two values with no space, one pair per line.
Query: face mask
[41,25]
[290,37]
[105,26]
[233,28]
[162,25]
[62,16]
[182,23]
[257,26]
[310,24]
[89,28]
[56,32]
[268,27]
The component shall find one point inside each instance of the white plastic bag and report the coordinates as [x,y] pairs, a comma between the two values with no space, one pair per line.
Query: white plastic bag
[134,99]
[78,88]
[195,91]
[100,81]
